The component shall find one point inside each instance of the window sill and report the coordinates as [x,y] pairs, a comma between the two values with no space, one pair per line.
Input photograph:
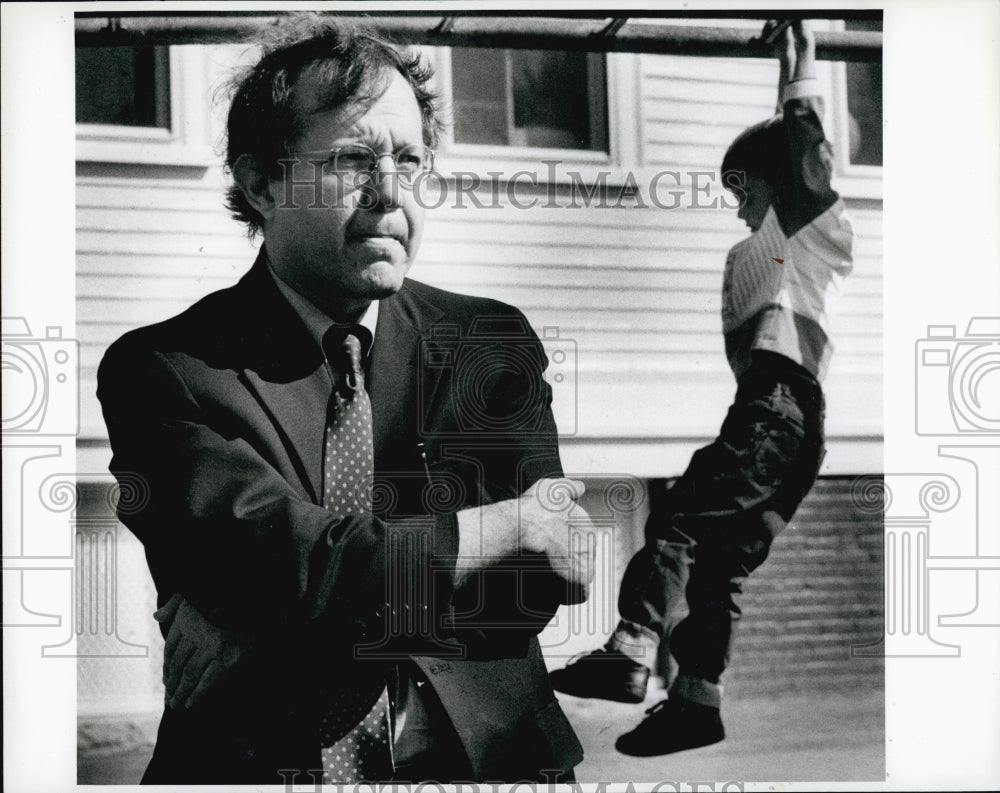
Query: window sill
[149,152]
[858,185]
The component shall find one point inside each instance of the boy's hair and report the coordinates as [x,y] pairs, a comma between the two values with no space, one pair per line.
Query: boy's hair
[350,64]
[759,150]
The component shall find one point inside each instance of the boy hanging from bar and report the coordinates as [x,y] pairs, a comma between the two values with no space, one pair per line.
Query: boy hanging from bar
[716,524]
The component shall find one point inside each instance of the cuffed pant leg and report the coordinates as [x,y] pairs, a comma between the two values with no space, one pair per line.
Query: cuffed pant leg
[636,642]
[652,590]
[702,642]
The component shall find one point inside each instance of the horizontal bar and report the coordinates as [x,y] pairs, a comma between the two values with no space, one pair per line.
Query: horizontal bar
[521,32]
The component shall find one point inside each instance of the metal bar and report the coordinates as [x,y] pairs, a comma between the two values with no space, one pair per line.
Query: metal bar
[521,32]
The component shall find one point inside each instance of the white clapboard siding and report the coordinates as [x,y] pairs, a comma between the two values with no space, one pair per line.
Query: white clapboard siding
[632,295]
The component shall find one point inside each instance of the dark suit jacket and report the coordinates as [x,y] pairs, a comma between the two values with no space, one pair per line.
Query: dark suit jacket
[221,412]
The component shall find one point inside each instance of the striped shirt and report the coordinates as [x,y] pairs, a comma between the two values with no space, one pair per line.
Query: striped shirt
[781,285]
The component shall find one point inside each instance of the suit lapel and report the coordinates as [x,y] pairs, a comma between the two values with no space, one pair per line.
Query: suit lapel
[395,372]
[286,372]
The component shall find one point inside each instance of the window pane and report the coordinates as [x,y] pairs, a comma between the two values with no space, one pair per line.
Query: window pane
[864,104]
[547,99]
[127,86]
[479,95]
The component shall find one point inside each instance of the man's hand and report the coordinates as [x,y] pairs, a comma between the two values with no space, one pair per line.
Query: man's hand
[551,522]
[197,653]
[539,521]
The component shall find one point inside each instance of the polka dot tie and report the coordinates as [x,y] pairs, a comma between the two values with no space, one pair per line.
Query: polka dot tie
[355,739]
[348,460]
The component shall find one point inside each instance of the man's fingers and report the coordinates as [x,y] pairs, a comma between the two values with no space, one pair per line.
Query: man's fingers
[556,494]
[575,563]
[193,672]
[543,485]
[576,593]
[177,665]
[174,636]
[169,609]
[213,672]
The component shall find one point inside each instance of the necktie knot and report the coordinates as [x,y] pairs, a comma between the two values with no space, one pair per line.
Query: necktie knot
[345,347]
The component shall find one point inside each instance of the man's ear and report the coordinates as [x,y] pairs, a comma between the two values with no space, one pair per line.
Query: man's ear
[252,180]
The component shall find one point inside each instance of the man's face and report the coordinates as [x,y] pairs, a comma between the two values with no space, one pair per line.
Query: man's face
[759,197]
[354,245]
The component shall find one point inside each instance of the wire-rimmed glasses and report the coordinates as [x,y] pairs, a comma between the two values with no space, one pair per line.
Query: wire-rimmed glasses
[356,163]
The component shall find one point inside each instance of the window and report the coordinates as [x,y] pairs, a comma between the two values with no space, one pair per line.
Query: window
[864,104]
[123,86]
[143,105]
[527,98]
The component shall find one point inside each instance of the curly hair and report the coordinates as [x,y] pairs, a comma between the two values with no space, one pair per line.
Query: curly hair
[349,63]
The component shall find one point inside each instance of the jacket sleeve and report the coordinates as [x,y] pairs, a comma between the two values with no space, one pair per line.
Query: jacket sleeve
[501,400]
[224,528]
[805,191]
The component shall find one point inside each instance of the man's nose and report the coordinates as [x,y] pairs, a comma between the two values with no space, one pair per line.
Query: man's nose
[385,182]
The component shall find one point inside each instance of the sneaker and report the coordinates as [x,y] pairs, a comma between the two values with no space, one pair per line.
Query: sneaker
[603,674]
[672,726]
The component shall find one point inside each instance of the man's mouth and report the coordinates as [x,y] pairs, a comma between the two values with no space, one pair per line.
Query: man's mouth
[376,237]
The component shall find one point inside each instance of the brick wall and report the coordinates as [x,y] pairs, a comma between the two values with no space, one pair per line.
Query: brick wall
[819,593]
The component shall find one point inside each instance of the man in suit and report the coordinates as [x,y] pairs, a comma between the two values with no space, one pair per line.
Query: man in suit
[429,591]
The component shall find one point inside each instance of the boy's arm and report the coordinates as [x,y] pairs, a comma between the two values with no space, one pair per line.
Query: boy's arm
[804,192]
[783,48]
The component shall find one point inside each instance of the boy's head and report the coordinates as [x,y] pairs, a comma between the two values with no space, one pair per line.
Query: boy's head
[752,168]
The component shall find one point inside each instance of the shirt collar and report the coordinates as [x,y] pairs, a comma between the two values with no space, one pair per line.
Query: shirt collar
[316,321]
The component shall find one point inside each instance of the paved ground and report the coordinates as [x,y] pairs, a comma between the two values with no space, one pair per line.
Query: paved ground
[832,736]
[790,738]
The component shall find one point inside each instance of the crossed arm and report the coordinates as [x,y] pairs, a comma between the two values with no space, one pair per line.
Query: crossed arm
[240,557]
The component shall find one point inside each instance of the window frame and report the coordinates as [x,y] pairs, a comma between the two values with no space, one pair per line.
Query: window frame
[185,143]
[621,83]
[851,180]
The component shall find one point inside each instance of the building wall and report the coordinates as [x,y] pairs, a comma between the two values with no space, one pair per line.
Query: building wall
[630,294]
[632,291]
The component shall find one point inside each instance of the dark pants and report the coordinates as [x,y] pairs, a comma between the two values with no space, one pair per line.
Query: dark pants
[716,524]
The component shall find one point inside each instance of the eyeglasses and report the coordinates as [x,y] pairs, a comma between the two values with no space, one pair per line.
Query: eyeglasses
[357,162]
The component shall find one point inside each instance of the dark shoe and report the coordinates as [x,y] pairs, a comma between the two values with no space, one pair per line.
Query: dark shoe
[672,726]
[603,674]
